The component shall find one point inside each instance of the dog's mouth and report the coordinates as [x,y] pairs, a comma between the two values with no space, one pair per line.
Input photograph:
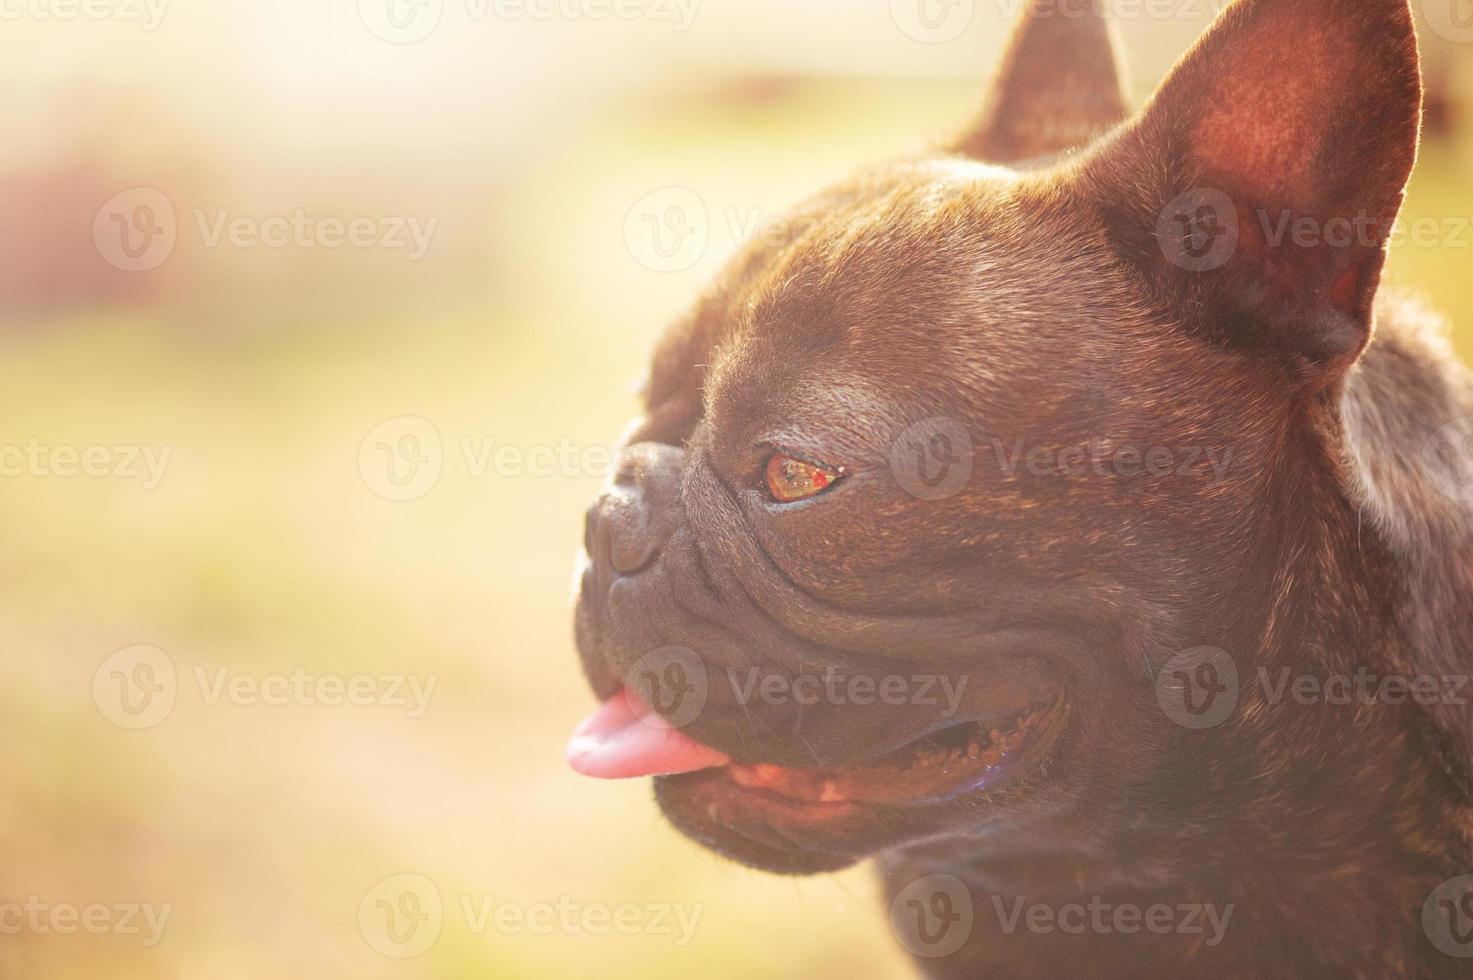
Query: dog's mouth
[625,738]
[962,759]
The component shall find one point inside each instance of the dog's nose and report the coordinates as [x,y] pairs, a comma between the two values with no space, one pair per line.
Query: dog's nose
[634,517]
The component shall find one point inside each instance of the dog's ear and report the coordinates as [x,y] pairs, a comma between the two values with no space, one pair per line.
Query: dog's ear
[1058,88]
[1259,187]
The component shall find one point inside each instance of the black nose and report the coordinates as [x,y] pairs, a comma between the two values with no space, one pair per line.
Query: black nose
[634,517]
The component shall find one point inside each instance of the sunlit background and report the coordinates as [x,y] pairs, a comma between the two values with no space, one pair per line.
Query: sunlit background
[317,320]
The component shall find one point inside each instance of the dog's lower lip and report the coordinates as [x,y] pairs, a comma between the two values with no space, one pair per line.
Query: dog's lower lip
[942,766]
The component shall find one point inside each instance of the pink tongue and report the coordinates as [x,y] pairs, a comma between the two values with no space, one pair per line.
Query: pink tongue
[625,738]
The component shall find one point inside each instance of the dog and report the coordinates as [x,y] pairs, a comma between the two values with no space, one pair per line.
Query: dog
[1067,519]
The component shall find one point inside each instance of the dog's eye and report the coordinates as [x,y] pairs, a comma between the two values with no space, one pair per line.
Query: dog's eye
[790,479]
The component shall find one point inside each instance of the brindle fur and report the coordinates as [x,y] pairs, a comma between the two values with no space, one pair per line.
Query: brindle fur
[1012,280]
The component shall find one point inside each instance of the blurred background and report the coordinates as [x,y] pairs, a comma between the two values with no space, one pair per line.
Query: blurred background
[318,320]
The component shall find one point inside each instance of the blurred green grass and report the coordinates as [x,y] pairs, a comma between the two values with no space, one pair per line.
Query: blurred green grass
[263,549]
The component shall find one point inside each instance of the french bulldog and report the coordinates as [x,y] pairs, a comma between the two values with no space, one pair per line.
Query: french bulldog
[1065,518]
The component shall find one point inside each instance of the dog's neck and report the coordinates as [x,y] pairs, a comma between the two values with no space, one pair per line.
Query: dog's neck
[1406,390]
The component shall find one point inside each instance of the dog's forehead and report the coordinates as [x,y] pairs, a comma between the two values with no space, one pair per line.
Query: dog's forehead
[942,254]
[875,249]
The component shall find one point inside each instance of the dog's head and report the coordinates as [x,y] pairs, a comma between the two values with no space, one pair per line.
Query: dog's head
[925,496]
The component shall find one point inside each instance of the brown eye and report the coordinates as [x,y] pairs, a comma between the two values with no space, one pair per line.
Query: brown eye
[790,479]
